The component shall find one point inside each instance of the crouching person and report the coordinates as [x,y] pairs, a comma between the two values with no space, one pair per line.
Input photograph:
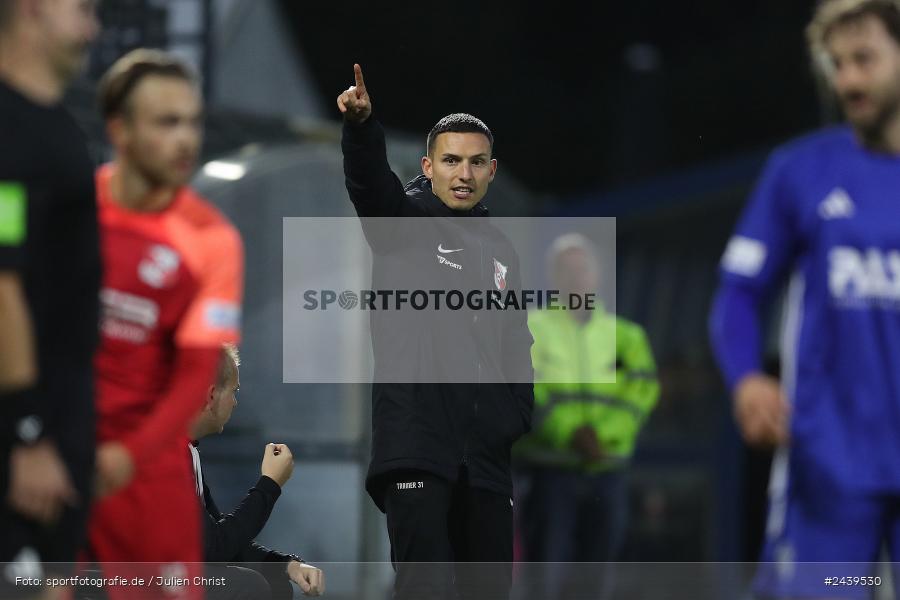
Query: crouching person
[247,570]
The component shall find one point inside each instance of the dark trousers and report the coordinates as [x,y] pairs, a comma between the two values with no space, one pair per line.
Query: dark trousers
[448,539]
[571,517]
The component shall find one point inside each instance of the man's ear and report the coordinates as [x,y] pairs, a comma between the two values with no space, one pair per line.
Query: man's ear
[493,168]
[116,131]
[210,397]
[426,167]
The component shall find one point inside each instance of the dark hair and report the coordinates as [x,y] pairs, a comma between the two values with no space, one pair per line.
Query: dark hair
[832,13]
[123,76]
[458,123]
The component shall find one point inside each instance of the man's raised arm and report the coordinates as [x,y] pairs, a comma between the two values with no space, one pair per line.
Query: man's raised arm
[374,189]
[354,103]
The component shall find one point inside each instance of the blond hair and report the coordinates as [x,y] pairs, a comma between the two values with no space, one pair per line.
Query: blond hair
[116,85]
[832,13]
[228,364]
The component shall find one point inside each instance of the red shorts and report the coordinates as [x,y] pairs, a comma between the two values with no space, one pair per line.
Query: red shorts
[156,521]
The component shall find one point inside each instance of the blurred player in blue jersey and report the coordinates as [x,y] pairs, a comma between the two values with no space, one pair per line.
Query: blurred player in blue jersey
[826,211]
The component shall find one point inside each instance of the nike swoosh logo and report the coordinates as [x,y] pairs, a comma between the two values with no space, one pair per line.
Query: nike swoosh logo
[443,250]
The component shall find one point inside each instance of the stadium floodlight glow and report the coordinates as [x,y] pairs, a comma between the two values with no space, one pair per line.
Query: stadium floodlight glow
[220,169]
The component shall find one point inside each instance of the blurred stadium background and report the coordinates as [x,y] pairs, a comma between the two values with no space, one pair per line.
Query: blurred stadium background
[657,113]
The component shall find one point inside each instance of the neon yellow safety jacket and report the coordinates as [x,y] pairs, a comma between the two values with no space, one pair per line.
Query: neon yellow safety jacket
[600,373]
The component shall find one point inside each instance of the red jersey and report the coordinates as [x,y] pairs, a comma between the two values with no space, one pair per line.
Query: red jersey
[173,280]
[171,296]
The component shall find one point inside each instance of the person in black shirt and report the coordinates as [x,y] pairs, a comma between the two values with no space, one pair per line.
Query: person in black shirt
[49,281]
[255,571]
[453,390]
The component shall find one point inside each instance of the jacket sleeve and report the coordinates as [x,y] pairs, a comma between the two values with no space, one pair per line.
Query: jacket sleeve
[551,428]
[374,189]
[557,415]
[517,343]
[257,553]
[228,536]
[640,386]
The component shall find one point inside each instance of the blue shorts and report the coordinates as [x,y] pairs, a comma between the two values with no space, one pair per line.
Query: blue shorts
[823,542]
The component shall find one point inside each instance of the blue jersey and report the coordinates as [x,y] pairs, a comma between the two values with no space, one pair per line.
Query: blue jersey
[826,213]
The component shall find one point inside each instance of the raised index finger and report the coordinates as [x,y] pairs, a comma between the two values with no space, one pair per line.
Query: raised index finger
[357,73]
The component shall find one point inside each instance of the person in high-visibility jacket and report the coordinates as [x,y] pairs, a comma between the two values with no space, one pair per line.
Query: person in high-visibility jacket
[594,385]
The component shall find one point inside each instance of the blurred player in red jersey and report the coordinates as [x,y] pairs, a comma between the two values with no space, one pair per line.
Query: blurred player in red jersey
[171,296]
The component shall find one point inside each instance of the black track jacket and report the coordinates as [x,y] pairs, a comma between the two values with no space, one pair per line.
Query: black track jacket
[452,387]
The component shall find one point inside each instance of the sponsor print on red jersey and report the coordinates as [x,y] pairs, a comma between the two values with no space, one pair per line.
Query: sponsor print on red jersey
[172,279]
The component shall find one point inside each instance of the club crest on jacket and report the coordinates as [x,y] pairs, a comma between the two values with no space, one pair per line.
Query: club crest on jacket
[500,275]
